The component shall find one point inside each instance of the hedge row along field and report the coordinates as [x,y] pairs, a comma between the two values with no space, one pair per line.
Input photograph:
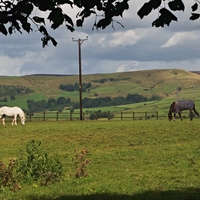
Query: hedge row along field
[123,160]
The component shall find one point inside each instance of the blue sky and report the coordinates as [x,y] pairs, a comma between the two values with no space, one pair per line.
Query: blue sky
[137,46]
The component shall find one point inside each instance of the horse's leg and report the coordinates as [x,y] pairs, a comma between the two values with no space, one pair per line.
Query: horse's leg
[15,119]
[191,115]
[180,116]
[174,116]
[3,121]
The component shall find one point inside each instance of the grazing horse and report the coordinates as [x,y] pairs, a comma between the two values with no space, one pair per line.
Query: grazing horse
[180,105]
[12,111]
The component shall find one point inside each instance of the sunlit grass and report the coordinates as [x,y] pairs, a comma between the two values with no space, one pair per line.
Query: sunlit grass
[129,158]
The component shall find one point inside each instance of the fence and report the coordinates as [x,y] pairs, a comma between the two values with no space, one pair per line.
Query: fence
[63,116]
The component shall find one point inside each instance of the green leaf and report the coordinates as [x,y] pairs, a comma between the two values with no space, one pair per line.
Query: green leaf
[16,25]
[194,7]
[39,19]
[103,23]
[176,5]
[79,22]
[3,29]
[167,15]
[120,7]
[64,2]
[56,17]
[43,30]
[155,3]
[24,7]
[68,19]
[10,30]
[145,10]
[27,27]
[194,16]
[158,22]
[70,28]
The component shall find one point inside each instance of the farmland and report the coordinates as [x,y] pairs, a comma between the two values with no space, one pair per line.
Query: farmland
[142,159]
[167,84]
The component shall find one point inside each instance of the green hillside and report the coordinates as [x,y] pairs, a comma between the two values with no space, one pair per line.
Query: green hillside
[168,84]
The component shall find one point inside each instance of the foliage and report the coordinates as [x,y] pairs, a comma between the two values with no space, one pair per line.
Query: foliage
[108,101]
[11,90]
[7,177]
[165,15]
[21,15]
[81,162]
[51,104]
[99,114]
[75,87]
[36,165]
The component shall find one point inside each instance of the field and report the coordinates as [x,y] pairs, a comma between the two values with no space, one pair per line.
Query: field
[169,84]
[141,159]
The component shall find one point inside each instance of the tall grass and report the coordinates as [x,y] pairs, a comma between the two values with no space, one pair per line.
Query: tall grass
[140,159]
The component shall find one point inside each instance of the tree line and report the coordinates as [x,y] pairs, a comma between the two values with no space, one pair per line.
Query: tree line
[75,87]
[12,91]
[62,103]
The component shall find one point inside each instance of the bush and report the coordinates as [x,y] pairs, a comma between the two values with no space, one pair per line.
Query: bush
[35,165]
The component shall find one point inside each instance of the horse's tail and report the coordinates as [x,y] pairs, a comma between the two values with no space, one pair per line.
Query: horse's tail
[196,112]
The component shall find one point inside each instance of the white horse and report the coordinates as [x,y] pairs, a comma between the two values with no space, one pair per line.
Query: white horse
[12,111]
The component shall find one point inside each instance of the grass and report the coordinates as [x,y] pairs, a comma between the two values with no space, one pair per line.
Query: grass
[142,159]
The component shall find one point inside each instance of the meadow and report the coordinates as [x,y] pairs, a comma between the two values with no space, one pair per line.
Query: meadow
[141,159]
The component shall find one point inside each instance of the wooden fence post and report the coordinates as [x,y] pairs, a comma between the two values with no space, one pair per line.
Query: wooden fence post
[43,116]
[96,115]
[121,115]
[57,116]
[146,115]
[70,116]
[157,115]
[133,115]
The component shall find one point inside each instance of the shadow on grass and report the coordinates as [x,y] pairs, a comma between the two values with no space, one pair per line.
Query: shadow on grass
[185,194]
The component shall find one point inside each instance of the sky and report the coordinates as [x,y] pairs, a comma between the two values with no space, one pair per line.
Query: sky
[137,46]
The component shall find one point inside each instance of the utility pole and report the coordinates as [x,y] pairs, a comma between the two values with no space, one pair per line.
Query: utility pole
[80,41]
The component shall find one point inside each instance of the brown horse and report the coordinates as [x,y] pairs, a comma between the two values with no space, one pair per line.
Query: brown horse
[180,105]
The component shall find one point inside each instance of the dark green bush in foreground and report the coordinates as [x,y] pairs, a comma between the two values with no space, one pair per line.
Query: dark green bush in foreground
[32,165]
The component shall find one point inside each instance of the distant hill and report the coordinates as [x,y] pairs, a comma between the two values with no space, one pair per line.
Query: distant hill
[166,83]
[196,72]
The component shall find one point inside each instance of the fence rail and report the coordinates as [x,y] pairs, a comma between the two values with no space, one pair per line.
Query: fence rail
[64,116]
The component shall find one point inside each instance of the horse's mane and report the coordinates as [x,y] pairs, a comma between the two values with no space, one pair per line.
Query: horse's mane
[171,107]
[22,114]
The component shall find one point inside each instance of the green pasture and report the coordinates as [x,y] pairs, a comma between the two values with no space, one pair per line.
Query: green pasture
[141,159]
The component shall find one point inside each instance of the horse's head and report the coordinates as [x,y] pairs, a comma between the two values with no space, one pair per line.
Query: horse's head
[23,120]
[170,116]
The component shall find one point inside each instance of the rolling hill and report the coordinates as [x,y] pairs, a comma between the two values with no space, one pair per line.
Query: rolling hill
[168,84]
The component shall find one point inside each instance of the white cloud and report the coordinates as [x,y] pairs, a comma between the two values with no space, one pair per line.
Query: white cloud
[180,38]
[137,46]
[125,38]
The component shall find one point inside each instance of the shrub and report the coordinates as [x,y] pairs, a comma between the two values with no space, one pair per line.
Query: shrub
[35,165]
[81,162]
[7,176]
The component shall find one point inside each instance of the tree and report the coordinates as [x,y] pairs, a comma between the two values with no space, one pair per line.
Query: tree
[18,15]
[165,15]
